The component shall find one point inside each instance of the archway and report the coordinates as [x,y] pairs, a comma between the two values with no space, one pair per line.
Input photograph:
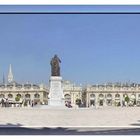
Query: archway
[109,99]
[36,99]
[101,99]
[92,99]
[67,99]
[27,101]
[132,100]
[117,100]
[138,100]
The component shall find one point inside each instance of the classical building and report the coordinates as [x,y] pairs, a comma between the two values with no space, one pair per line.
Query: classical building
[72,93]
[22,94]
[111,94]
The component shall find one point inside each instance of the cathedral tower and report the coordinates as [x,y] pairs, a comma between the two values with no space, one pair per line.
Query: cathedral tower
[10,74]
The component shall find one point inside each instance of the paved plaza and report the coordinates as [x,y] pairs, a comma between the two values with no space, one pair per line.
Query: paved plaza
[84,121]
[84,117]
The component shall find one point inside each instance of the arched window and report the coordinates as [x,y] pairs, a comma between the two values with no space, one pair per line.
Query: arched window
[37,95]
[19,95]
[92,95]
[10,96]
[2,95]
[117,95]
[67,97]
[133,96]
[27,95]
[109,95]
[101,95]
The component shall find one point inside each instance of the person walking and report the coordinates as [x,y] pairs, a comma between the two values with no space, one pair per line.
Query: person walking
[32,104]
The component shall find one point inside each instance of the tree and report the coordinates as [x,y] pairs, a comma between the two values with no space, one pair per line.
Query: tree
[127,99]
[17,98]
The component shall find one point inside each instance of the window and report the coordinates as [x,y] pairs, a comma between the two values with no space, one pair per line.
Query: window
[117,95]
[101,95]
[10,96]
[92,95]
[19,95]
[133,96]
[67,97]
[27,95]
[2,95]
[109,95]
[37,95]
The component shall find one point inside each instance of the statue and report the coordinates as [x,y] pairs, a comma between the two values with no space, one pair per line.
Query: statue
[55,69]
[56,95]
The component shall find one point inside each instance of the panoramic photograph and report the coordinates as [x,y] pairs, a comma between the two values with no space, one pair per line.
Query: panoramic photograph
[69,70]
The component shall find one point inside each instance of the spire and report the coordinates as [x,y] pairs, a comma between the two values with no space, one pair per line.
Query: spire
[10,74]
[3,80]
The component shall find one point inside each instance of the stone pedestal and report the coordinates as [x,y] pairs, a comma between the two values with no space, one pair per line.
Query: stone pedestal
[56,96]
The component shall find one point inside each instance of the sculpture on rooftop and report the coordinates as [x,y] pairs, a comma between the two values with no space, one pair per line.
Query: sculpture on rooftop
[55,68]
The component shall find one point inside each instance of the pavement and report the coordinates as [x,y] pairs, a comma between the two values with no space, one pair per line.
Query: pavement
[84,121]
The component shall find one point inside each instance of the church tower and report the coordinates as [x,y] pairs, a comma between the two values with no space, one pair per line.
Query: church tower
[10,74]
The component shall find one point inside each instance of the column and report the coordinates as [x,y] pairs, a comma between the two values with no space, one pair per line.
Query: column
[96,100]
[41,96]
[137,96]
[121,99]
[32,95]
[72,98]
[105,100]
[113,99]
[30,99]
[87,99]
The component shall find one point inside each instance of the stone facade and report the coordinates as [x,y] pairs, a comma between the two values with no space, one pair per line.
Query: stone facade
[110,94]
[89,96]
[113,95]
[72,93]
[27,93]
[116,94]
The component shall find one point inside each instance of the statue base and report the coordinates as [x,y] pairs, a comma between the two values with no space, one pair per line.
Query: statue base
[56,95]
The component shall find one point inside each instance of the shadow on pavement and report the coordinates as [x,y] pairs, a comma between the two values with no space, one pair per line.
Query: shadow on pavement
[18,129]
[136,124]
[10,125]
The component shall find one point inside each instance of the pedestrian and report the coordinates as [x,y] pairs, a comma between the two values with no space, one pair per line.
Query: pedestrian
[2,102]
[32,103]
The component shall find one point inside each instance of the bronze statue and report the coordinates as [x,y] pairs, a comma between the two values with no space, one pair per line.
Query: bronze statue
[55,68]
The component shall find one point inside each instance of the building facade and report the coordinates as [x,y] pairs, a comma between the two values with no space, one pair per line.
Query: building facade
[24,94]
[15,94]
[72,93]
[110,94]
[113,95]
